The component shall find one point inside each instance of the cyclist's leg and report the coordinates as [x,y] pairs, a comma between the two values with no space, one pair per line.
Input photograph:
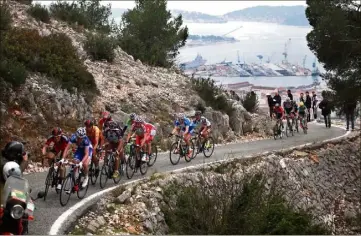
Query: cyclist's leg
[117,146]
[49,156]
[150,140]
[187,138]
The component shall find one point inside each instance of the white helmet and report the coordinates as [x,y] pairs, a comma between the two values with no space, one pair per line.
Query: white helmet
[11,168]
[81,132]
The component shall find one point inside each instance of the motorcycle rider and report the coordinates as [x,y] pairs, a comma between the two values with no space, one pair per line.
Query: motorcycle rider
[14,151]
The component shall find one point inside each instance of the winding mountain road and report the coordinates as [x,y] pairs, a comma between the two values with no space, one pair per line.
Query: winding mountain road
[48,211]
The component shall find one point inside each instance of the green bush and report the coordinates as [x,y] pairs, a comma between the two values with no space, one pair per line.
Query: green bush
[12,72]
[88,13]
[39,12]
[5,17]
[250,102]
[100,46]
[53,55]
[233,209]
[212,94]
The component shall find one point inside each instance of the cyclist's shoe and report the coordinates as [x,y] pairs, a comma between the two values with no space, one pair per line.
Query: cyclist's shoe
[115,174]
[85,182]
[58,187]
[145,158]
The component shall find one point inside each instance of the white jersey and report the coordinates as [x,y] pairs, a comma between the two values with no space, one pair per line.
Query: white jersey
[208,123]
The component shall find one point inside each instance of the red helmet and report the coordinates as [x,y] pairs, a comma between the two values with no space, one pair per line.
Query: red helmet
[106,115]
[88,123]
[57,131]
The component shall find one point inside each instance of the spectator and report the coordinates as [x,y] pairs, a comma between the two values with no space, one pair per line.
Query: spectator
[302,99]
[289,94]
[314,104]
[278,98]
[270,104]
[325,106]
[349,109]
[308,105]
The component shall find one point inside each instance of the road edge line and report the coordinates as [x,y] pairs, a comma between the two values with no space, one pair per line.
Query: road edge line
[56,226]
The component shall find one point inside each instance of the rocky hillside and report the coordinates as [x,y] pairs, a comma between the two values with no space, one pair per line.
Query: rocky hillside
[125,86]
[323,180]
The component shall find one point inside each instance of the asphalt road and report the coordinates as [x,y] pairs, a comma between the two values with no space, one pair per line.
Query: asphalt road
[48,211]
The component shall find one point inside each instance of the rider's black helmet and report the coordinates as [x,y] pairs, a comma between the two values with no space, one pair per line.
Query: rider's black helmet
[13,151]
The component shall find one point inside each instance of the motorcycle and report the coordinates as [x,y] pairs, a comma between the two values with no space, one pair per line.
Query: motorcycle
[17,206]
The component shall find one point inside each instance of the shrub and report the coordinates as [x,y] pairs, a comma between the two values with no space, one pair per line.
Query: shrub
[212,94]
[27,2]
[5,17]
[39,12]
[243,210]
[53,55]
[250,102]
[90,14]
[100,46]
[12,72]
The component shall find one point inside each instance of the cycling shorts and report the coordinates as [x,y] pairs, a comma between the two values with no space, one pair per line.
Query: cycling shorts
[279,115]
[139,139]
[79,154]
[301,114]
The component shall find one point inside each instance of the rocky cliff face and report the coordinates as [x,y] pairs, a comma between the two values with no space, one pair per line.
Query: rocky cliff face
[125,86]
[323,179]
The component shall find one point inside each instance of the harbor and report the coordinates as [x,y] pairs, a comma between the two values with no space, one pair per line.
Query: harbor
[264,68]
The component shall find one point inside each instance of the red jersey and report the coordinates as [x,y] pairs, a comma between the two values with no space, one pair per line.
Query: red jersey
[145,128]
[60,146]
[278,110]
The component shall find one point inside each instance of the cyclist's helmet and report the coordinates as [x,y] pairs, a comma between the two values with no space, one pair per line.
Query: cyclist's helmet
[138,120]
[13,151]
[203,120]
[277,105]
[57,131]
[132,116]
[106,115]
[288,99]
[301,104]
[88,123]
[181,116]
[113,125]
[81,132]
[11,168]
[198,113]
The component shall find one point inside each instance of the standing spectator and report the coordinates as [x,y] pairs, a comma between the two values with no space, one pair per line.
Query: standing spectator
[278,98]
[270,104]
[325,106]
[302,99]
[314,104]
[349,109]
[308,105]
[289,94]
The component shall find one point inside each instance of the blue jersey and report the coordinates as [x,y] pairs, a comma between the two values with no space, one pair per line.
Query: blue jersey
[85,143]
[186,122]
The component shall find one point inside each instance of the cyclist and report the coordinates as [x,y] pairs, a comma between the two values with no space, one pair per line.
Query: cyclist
[144,134]
[279,113]
[182,123]
[105,117]
[94,135]
[59,142]
[295,111]
[197,119]
[113,135]
[129,122]
[204,130]
[83,152]
[288,108]
[302,112]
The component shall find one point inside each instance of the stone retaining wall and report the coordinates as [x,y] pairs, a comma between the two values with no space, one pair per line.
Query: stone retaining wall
[324,178]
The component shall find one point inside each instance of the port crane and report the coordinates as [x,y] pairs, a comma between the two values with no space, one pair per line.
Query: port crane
[270,58]
[285,52]
[232,31]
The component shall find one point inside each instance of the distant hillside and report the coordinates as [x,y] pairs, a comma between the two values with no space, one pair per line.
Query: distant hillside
[198,17]
[286,15]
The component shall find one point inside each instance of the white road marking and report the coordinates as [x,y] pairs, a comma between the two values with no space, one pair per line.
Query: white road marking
[60,221]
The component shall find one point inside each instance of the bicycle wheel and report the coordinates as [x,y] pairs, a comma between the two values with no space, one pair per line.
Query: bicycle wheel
[143,166]
[296,125]
[275,132]
[173,150]
[92,175]
[197,147]
[190,149]
[67,191]
[130,166]
[304,127]
[210,147]
[286,129]
[154,156]
[104,175]
[48,181]
[81,191]
[291,128]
